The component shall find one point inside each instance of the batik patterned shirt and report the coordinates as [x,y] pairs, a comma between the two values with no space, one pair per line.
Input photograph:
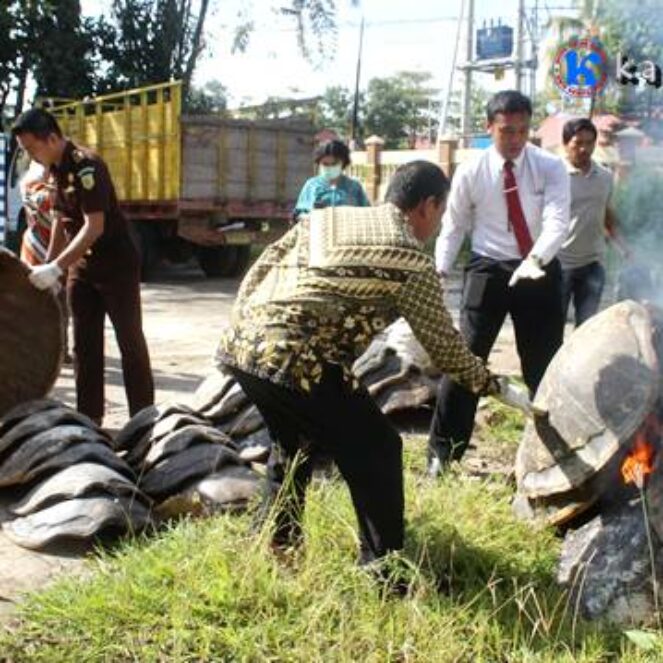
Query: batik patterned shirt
[327,287]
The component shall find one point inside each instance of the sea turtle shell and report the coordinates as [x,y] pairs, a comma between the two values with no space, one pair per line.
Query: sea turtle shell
[80,518]
[76,481]
[142,422]
[31,336]
[181,439]
[597,391]
[168,476]
[230,488]
[211,391]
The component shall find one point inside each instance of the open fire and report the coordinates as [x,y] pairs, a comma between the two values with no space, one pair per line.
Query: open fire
[640,461]
[591,463]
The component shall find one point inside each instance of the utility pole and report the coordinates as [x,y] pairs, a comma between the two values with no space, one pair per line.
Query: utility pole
[466,126]
[534,38]
[355,105]
[444,110]
[520,38]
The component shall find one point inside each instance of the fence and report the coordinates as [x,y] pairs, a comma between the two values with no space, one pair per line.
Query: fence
[375,166]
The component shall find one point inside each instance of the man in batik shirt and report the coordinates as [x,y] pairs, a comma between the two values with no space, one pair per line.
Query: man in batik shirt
[306,310]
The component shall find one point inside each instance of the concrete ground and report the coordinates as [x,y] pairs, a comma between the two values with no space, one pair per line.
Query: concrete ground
[184,314]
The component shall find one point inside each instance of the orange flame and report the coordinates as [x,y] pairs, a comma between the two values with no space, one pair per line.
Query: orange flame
[639,463]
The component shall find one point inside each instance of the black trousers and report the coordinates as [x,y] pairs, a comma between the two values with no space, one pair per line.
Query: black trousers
[535,306]
[348,426]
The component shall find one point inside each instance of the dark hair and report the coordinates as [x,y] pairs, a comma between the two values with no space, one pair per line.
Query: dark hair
[573,127]
[508,101]
[38,122]
[416,181]
[333,148]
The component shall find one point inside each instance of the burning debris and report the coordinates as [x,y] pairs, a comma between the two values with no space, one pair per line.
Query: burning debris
[591,463]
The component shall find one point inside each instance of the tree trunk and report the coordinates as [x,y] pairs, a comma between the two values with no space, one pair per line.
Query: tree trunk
[196,44]
[22,79]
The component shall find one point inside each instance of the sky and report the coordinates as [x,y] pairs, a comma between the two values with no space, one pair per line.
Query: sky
[400,35]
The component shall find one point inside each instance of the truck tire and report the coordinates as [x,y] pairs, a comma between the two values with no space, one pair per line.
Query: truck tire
[147,241]
[243,259]
[224,261]
[217,261]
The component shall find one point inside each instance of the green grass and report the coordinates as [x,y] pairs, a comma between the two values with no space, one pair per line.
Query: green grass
[482,590]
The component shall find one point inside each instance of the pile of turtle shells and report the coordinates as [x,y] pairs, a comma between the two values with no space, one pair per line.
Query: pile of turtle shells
[60,478]
[188,463]
[63,477]
[397,371]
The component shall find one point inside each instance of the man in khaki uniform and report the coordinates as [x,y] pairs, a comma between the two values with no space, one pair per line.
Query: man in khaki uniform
[307,309]
[90,238]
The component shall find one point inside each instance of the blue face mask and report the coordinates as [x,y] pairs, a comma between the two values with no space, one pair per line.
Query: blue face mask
[330,172]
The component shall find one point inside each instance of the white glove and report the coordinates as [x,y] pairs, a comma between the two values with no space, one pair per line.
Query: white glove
[45,276]
[530,268]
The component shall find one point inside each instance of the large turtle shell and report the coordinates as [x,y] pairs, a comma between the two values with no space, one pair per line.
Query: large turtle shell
[30,336]
[597,390]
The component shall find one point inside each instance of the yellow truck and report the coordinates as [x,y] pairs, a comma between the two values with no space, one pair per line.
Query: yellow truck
[205,184]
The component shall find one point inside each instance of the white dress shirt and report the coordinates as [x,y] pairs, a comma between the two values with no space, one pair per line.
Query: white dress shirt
[477,205]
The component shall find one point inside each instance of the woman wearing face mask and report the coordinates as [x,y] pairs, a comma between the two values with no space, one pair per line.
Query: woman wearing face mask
[331,188]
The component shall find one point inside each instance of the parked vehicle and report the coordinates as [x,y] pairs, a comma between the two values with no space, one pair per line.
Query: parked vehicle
[204,185]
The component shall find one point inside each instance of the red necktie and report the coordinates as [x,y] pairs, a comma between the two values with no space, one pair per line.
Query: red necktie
[516,216]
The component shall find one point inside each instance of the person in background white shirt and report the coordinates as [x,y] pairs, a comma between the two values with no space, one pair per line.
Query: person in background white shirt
[513,202]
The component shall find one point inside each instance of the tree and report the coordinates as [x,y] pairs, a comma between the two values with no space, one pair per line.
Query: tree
[152,41]
[335,109]
[398,108]
[478,102]
[64,52]
[211,98]
[48,40]
[7,54]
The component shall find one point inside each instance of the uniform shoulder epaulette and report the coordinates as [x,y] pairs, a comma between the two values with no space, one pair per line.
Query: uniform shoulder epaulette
[77,156]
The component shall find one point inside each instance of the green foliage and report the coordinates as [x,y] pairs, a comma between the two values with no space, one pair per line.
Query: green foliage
[398,107]
[141,42]
[152,41]
[335,109]
[64,52]
[48,39]
[482,589]
[211,98]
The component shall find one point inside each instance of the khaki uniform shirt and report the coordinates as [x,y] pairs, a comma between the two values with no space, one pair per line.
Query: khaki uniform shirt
[590,195]
[327,287]
[84,186]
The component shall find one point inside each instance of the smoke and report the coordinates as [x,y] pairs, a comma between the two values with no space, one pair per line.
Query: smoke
[638,202]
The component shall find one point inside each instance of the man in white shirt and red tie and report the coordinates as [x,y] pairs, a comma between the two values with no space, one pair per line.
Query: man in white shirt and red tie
[513,201]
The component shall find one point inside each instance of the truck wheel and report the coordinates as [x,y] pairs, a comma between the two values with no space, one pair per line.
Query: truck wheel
[147,240]
[217,261]
[243,258]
